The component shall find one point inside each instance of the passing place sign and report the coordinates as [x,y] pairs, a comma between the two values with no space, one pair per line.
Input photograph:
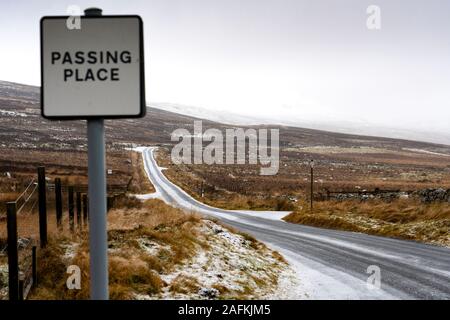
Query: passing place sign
[96,70]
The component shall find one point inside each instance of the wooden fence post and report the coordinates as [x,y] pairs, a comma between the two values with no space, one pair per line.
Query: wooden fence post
[34,265]
[13,257]
[79,210]
[58,202]
[85,209]
[71,217]
[109,203]
[42,206]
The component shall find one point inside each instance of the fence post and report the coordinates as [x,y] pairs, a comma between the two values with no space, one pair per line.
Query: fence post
[109,203]
[79,210]
[85,206]
[34,265]
[13,262]
[71,217]
[58,202]
[42,207]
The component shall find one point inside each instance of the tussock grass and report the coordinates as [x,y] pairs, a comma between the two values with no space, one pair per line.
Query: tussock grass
[243,202]
[153,213]
[51,272]
[125,201]
[131,269]
[403,218]
[184,284]
[399,211]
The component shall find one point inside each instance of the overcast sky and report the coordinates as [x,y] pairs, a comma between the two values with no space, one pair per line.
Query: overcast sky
[308,59]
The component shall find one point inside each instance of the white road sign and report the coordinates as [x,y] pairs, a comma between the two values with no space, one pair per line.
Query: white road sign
[94,71]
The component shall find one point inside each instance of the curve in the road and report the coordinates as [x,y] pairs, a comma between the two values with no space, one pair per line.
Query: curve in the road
[409,269]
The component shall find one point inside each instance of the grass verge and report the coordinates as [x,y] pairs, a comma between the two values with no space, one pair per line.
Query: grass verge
[405,219]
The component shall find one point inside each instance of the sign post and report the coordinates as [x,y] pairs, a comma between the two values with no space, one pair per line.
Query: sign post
[98,237]
[95,72]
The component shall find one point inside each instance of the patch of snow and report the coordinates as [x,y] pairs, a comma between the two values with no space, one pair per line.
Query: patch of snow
[139,149]
[147,196]
[289,287]
[339,150]
[12,113]
[271,215]
[426,151]
[231,262]
[70,250]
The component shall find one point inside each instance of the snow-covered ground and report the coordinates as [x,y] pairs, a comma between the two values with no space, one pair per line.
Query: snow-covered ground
[147,196]
[233,265]
[427,152]
[12,113]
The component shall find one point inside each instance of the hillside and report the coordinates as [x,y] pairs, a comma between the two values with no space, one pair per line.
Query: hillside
[343,161]
[22,126]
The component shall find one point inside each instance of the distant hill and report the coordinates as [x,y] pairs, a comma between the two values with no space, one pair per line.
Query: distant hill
[21,126]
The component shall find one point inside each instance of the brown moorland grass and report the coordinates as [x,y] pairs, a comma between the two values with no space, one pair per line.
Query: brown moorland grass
[219,197]
[184,284]
[403,218]
[336,172]
[243,202]
[131,270]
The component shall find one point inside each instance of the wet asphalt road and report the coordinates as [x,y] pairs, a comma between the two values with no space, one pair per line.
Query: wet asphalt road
[409,270]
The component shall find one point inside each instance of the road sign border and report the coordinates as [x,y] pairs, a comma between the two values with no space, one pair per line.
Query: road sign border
[141,63]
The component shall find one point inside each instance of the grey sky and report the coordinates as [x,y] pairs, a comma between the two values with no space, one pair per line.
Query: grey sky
[300,59]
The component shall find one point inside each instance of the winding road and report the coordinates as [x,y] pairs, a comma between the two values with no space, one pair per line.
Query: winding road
[330,264]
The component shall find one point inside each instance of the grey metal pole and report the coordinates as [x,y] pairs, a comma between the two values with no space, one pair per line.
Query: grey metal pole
[97,207]
[98,246]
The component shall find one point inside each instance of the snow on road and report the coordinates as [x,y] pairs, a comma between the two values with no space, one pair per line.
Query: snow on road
[271,215]
[323,283]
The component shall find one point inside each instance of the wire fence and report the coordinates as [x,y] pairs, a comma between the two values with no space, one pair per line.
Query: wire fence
[26,219]
[27,225]
[25,201]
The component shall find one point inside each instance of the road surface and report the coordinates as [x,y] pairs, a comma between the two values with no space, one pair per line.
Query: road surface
[330,264]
